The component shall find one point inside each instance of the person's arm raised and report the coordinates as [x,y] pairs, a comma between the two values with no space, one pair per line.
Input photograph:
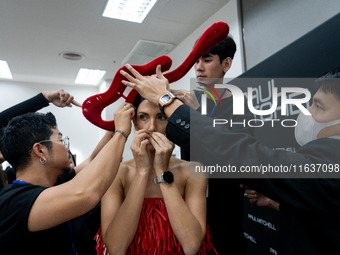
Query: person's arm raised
[58,204]
[187,97]
[187,217]
[120,216]
[60,98]
[150,87]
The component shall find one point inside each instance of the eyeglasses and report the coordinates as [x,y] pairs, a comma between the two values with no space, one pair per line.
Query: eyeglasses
[65,141]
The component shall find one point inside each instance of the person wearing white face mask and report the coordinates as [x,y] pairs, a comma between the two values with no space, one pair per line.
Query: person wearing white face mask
[309,208]
[324,120]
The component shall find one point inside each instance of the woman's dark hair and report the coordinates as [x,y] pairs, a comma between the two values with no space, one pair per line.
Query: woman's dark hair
[136,102]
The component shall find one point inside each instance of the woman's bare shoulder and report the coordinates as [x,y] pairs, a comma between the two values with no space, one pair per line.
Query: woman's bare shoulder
[184,163]
[127,167]
[189,168]
[127,163]
[127,170]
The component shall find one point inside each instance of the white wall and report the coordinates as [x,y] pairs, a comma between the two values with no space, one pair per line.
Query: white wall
[271,25]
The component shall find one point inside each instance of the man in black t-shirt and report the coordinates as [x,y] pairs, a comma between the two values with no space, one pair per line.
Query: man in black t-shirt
[59,98]
[35,214]
[84,226]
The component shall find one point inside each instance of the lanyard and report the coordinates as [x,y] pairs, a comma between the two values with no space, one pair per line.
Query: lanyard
[69,224]
[19,181]
[72,239]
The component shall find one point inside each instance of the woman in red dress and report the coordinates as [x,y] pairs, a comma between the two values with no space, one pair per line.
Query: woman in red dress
[141,215]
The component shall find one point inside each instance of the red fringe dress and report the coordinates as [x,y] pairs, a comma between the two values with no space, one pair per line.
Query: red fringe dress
[154,235]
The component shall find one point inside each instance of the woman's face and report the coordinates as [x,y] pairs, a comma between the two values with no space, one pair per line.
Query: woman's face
[150,118]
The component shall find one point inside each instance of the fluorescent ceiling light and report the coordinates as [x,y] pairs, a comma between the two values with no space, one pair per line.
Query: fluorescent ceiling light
[89,76]
[129,10]
[5,73]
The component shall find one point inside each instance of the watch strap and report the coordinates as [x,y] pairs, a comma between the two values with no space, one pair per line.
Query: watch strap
[166,177]
[159,179]
[161,108]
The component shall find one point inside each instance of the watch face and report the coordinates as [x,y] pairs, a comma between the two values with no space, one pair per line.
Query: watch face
[168,177]
[166,98]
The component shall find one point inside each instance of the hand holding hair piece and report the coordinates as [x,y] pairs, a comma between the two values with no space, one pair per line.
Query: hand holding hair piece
[94,105]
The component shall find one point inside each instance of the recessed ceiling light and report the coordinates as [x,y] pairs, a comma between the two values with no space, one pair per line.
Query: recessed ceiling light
[89,76]
[129,10]
[5,72]
[69,55]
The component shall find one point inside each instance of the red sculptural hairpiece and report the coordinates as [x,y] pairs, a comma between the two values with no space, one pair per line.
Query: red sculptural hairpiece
[94,105]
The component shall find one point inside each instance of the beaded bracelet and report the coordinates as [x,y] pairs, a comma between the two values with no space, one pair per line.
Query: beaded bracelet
[122,132]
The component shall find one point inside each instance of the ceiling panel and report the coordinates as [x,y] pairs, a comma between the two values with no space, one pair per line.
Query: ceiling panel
[34,32]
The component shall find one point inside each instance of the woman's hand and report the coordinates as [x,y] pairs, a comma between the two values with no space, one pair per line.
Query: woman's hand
[139,150]
[123,116]
[163,148]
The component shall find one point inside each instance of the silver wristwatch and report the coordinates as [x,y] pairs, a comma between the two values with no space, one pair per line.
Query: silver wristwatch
[166,177]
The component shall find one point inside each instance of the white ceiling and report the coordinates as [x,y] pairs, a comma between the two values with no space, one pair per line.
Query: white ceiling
[34,32]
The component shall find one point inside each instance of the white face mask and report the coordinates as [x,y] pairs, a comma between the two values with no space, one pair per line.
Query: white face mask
[307,129]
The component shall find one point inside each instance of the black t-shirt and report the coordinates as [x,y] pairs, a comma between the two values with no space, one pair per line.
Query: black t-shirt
[16,201]
[85,226]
